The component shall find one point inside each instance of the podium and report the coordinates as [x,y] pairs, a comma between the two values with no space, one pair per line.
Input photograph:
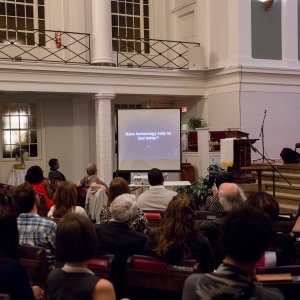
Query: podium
[241,156]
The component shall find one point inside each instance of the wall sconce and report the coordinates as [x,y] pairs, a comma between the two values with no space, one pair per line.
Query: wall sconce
[268,4]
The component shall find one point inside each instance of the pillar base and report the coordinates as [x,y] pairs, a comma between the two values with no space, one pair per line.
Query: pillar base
[103,64]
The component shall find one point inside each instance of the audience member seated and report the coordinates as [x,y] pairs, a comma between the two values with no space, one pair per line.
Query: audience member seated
[65,198]
[177,237]
[54,174]
[157,197]
[117,187]
[231,197]
[281,243]
[245,235]
[115,237]
[92,179]
[35,177]
[33,229]
[13,277]
[212,202]
[75,245]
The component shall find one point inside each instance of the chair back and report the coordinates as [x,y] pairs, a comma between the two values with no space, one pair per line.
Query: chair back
[35,262]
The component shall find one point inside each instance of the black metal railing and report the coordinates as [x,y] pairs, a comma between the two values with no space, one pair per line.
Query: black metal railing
[45,46]
[153,53]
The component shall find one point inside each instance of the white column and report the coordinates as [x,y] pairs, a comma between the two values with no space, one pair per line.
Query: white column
[104,136]
[290,33]
[101,38]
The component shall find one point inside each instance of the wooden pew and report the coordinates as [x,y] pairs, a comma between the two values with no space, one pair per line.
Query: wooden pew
[150,278]
[35,262]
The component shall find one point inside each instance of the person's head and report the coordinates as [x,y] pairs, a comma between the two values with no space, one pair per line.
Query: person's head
[9,241]
[34,175]
[177,227]
[53,164]
[245,234]
[65,198]
[231,196]
[155,177]
[91,169]
[24,198]
[117,187]
[123,208]
[264,202]
[75,238]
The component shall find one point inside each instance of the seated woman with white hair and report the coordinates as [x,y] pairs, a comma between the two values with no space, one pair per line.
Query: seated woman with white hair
[115,237]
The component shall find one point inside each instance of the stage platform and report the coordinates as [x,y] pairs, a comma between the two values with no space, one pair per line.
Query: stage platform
[288,196]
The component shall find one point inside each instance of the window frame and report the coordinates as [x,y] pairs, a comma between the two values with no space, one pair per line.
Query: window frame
[141,29]
[36,20]
[38,128]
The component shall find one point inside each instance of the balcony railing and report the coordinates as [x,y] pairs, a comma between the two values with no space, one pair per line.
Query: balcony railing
[153,53]
[45,46]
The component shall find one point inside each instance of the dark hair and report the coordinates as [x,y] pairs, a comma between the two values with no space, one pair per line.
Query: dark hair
[75,238]
[245,234]
[24,198]
[52,162]
[9,242]
[65,198]
[117,187]
[155,177]
[265,203]
[177,228]
[34,175]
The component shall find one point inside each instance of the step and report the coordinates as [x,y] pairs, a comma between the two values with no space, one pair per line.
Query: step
[284,198]
[293,178]
[282,187]
[285,168]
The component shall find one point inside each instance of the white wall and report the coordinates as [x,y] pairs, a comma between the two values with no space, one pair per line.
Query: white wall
[67,133]
[282,121]
[223,111]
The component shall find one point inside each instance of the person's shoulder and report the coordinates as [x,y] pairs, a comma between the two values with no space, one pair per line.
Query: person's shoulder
[268,293]
[79,209]
[47,223]
[190,286]
[104,290]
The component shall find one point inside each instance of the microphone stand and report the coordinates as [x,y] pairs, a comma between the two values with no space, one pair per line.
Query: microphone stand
[274,169]
[262,135]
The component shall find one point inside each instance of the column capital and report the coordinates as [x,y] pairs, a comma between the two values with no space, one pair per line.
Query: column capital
[104,96]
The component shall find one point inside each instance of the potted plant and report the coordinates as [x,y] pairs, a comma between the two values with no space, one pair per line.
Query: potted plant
[200,190]
[196,122]
[218,175]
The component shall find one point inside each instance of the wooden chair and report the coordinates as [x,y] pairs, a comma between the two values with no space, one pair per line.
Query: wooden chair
[112,267]
[154,217]
[101,265]
[35,262]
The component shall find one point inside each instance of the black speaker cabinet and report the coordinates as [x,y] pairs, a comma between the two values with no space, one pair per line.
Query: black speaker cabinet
[290,156]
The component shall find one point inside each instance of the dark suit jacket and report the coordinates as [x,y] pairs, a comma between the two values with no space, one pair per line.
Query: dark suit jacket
[117,238]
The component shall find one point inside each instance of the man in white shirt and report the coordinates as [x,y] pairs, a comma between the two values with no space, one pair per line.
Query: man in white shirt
[157,197]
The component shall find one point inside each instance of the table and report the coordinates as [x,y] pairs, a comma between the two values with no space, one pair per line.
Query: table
[185,184]
[16,176]
[259,169]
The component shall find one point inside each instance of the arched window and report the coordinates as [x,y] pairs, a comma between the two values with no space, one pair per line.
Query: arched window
[130,22]
[19,129]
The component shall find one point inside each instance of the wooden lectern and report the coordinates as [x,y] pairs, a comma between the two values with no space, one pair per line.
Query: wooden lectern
[241,156]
